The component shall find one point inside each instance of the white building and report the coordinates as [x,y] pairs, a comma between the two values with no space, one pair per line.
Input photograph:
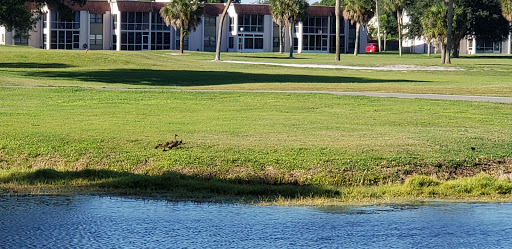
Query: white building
[137,25]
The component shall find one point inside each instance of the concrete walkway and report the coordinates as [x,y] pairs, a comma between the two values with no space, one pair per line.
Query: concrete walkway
[368,94]
[381,68]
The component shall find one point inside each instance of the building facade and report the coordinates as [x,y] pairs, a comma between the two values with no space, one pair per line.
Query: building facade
[137,25]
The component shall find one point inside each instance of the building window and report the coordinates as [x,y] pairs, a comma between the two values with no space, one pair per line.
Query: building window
[96,39]
[231,42]
[209,39]
[64,33]
[251,23]
[134,21]
[251,41]
[135,31]
[231,24]
[160,40]
[96,18]
[488,47]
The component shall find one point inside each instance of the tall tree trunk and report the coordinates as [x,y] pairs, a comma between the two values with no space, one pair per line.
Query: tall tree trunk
[290,29]
[456,47]
[429,47]
[338,29]
[219,32]
[356,47]
[399,23]
[378,24]
[281,38]
[182,39]
[449,33]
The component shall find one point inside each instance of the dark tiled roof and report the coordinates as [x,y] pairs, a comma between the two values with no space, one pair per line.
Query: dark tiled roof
[316,10]
[158,6]
[134,6]
[213,9]
[252,9]
[94,7]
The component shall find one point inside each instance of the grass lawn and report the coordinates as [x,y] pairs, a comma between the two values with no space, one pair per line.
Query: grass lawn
[264,145]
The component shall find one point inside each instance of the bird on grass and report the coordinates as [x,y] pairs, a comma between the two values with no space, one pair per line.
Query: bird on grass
[169,145]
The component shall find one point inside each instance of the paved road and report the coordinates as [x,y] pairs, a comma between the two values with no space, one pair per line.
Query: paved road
[369,94]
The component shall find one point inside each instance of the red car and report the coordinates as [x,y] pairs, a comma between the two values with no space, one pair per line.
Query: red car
[372,47]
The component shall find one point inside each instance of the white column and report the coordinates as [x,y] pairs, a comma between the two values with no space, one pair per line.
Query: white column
[84,29]
[474,46]
[298,34]
[48,28]
[118,31]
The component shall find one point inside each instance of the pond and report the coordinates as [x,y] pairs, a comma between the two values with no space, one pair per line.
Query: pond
[114,222]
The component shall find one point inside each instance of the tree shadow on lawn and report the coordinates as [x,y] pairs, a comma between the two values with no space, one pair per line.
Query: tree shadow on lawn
[171,183]
[33,65]
[150,77]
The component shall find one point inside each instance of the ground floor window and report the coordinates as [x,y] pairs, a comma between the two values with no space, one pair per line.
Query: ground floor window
[231,42]
[314,42]
[209,43]
[160,40]
[134,40]
[251,41]
[332,45]
[488,47]
[64,39]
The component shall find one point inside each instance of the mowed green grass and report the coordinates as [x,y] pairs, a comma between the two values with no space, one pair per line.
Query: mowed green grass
[317,142]
[245,134]
[482,75]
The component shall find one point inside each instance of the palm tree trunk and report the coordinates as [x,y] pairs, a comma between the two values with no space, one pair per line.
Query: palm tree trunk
[399,23]
[219,32]
[290,29]
[429,47]
[182,40]
[338,29]
[378,24]
[356,47]
[449,33]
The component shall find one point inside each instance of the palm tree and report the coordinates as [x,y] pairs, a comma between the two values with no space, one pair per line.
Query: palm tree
[397,7]
[433,23]
[277,9]
[338,29]
[359,12]
[448,47]
[184,15]
[506,9]
[295,11]
[219,32]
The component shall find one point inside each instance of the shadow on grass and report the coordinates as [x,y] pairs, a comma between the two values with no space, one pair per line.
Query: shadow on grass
[151,77]
[172,183]
[33,65]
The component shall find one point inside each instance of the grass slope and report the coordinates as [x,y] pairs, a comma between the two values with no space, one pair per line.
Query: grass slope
[259,145]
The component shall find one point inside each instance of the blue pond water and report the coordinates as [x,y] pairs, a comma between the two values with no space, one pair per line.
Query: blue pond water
[112,222]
